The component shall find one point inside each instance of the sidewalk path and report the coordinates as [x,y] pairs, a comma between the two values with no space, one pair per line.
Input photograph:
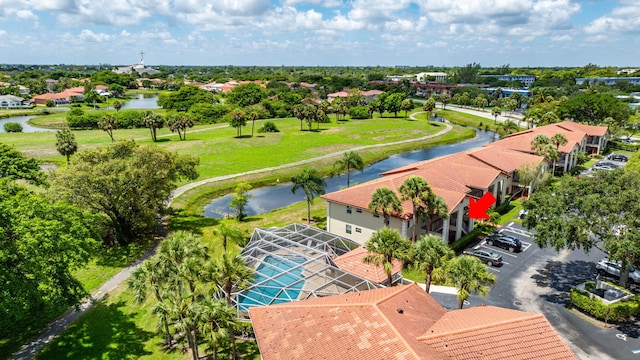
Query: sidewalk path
[54,329]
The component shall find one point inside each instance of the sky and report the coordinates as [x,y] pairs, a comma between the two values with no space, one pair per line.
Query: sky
[446,33]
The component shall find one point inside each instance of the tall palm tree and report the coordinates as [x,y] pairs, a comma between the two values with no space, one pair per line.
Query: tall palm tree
[311,183]
[384,246]
[108,123]
[153,121]
[299,111]
[495,112]
[429,253]
[470,276]
[417,190]
[229,271]
[227,232]
[509,126]
[151,276]
[217,323]
[184,315]
[253,116]
[385,201]
[350,160]
[435,208]
[66,143]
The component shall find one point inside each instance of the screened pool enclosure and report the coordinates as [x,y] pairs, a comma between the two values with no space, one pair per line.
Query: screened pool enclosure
[295,263]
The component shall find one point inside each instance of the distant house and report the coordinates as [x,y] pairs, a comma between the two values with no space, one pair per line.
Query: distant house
[432,76]
[527,80]
[369,95]
[401,322]
[60,99]
[608,80]
[12,101]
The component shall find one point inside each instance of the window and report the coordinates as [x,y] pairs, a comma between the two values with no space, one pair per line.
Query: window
[358,230]
[376,215]
[348,229]
[348,209]
[359,211]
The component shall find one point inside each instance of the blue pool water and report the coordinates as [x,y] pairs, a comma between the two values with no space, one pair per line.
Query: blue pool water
[279,281]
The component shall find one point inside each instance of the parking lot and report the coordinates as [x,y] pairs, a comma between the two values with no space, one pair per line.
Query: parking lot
[509,258]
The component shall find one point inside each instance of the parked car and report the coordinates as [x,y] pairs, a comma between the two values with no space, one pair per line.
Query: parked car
[613,268]
[629,141]
[487,257]
[618,157]
[504,241]
[602,167]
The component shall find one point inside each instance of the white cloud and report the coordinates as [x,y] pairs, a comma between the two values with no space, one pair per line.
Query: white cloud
[88,35]
[323,3]
[622,19]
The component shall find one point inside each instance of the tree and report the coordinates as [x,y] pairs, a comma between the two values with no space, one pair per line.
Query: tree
[429,105]
[415,189]
[240,199]
[108,123]
[299,111]
[495,112]
[253,116]
[66,143]
[185,98]
[43,242]
[179,123]
[444,99]
[350,160]
[311,183]
[14,165]
[246,94]
[117,105]
[509,127]
[238,120]
[470,276]
[385,201]
[593,108]
[587,212]
[229,272]
[384,246]
[218,322]
[430,253]
[355,98]
[434,208]
[528,174]
[152,121]
[549,118]
[406,105]
[557,140]
[393,103]
[127,185]
[227,232]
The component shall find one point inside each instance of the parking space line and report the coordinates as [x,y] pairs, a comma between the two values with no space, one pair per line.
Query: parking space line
[501,251]
[493,268]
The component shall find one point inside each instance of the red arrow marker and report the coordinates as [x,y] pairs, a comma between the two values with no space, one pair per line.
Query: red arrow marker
[478,210]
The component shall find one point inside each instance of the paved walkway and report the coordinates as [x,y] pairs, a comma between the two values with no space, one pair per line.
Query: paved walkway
[63,322]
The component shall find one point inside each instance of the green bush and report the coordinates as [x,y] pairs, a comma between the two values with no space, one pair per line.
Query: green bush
[359,112]
[129,119]
[12,127]
[464,242]
[268,126]
[620,311]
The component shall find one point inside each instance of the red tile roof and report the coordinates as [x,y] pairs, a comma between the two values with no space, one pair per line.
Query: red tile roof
[402,322]
[353,262]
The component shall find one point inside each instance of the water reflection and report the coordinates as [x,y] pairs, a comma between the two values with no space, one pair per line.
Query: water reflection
[142,101]
[278,196]
[22,120]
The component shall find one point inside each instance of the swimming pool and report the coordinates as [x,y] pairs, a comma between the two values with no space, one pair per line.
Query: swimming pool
[277,279]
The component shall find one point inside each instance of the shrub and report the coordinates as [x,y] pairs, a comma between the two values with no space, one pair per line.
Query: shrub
[12,127]
[620,311]
[129,119]
[466,240]
[359,112]
[268,126]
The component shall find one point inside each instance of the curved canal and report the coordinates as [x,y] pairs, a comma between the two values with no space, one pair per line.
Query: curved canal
[278,196]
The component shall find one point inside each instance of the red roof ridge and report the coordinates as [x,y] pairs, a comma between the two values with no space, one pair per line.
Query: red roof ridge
[388,321]
[525,317]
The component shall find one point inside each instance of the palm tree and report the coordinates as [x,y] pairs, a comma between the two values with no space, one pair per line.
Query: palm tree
[299,111]
[108,123]
[151,276]
[350,160]
[509,126]
[311,183]
[227,233]
[470,276]
[238,120]
[229,271]
[406,105]
[429,253]
[417,190]
[117,105]
[384,246]
[386,202]
[495,112]
[558,139]
[538,143]
[66,143]
[183,316]
[253,116]
[434,208]
[217,323]
[550,118]
[153,121]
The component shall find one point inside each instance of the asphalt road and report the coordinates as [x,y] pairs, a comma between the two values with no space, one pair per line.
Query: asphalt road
[538,280]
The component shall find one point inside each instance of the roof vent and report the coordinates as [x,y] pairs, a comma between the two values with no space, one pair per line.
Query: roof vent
[400,310]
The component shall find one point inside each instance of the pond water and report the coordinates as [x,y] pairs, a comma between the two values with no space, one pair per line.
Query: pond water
[142,101]
[22,120]
[278,196]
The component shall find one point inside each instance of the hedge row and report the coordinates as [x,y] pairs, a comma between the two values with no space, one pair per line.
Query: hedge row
[127,119]
[459,245]
[618,312]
